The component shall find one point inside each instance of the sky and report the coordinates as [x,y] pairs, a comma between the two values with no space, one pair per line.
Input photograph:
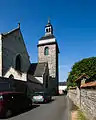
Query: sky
[74,23]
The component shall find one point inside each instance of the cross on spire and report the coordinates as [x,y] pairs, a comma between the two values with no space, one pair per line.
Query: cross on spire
[49,20]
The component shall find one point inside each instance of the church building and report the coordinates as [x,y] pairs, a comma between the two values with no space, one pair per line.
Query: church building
[15,63]
[48,52]
[14,58]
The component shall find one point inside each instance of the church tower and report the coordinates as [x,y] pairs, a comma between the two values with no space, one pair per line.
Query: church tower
[48,52]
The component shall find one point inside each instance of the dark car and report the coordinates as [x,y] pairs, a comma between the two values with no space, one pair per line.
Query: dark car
[11,102]
[41,97]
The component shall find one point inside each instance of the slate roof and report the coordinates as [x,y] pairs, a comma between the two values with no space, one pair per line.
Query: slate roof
[37,69]
[47,37]
[34,87]
[7,33]
[32,68]
[11,31]
[48,24]
[31,78]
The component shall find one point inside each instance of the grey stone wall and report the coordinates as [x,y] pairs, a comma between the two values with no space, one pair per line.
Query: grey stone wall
[51,58]
[52,64]
[73,95]
[86,101]
[13,45]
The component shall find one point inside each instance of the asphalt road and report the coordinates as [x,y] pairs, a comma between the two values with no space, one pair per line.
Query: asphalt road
[55,110]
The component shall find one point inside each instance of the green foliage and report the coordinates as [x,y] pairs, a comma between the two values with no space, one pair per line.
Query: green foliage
[81,115]
[87,66]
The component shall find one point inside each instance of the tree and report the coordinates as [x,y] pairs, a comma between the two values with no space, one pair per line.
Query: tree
[87,66]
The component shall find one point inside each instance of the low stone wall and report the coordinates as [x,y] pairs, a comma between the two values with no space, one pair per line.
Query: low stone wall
[72,95]
[86,100]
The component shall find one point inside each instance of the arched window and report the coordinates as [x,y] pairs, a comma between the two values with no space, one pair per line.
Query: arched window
[11,76]
[18,63]
[49,29]
[46,51]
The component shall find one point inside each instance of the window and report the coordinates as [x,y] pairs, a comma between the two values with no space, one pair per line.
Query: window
[11,76]
[49,29]
[46,51]
[46,30]
[18,63]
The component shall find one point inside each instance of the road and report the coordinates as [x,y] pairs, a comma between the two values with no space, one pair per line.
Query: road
[55,110]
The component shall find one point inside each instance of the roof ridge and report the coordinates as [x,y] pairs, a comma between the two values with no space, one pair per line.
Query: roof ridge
[7,33]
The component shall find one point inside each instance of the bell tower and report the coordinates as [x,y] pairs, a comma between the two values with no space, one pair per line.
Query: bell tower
[48,28]
[48,52]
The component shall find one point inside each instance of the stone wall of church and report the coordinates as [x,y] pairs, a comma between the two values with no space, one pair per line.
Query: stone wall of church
[51,58]
[13,44]
[17,75]
[52,64]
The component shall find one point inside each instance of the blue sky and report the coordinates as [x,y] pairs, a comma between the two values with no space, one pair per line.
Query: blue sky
[74,23]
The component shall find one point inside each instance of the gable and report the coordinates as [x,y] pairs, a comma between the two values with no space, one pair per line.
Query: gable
[13,45]
[15,39]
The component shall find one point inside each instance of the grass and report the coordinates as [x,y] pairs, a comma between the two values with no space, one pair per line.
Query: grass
[77,114]
[81,115]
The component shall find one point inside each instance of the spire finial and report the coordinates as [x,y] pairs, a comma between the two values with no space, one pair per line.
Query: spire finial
[48,19]
[18,24]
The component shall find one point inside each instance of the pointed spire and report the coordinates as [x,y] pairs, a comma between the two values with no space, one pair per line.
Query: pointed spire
[18,24]
[49,20]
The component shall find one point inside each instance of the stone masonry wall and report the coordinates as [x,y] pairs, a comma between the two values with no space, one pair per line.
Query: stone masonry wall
[51,58]
[87,101]
[52,64]
[74,96]
[17,75]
